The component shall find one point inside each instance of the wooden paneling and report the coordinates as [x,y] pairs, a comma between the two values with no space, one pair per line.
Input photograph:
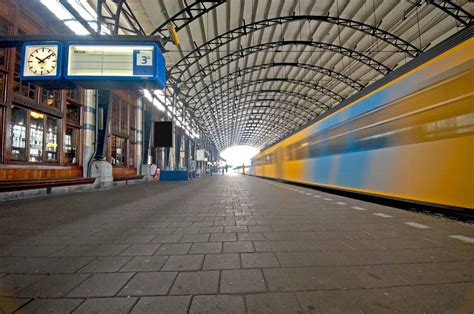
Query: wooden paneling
[122,171]
[38,172]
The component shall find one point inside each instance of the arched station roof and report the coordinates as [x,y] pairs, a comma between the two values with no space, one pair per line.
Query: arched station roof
[252,71]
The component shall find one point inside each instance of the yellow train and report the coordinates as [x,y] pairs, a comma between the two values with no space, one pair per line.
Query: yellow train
[410,136]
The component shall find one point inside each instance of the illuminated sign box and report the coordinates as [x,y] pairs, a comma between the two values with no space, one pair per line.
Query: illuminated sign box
[117,65]
[95,65]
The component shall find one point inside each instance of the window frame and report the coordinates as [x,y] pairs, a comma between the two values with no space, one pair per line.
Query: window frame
[59,135]
[9,26]
[79,148]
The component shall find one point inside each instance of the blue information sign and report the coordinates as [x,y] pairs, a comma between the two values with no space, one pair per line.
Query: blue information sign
[105,65]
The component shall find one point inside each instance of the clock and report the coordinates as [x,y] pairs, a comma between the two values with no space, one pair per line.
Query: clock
[41,60]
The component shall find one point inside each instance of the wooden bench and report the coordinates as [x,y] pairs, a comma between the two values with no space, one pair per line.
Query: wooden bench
[29,184]
[128,178]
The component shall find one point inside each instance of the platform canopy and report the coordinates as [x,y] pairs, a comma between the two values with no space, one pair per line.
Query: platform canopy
[252,71]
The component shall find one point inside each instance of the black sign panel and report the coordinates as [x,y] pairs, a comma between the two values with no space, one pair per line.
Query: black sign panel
[163,134]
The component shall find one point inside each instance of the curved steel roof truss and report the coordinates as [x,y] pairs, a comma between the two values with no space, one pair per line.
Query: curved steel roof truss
[212,45]
[254,82]
[204,93]
[241,53]
[316,87]
[249,96]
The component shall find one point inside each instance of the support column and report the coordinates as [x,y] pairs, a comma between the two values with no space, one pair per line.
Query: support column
[89,130]
[147,169]
[139,135]
[100,167]
[177,150]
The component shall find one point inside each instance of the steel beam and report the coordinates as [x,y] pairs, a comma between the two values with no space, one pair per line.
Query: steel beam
[10,41]
[205,71]
[223,39]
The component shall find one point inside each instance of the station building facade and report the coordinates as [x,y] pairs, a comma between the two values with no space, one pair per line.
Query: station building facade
[52,133]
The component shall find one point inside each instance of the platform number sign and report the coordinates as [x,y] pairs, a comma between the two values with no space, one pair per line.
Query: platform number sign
[143,62]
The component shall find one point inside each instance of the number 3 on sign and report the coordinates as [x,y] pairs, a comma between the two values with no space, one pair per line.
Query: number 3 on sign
[144,58]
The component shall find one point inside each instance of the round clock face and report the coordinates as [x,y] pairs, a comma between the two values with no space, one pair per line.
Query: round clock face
[42,61]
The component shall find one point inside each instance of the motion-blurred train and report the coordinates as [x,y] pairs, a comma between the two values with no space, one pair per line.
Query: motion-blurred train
[409,136]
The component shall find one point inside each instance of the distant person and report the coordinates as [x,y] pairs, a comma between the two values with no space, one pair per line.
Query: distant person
[192,169]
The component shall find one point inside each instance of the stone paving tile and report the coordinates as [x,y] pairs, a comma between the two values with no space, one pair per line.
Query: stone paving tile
[49,265]
[5,261]
[141,249]
[51,306]
[9,305]
[205,248]
[166,304]
[150,283]
[174,249]
[53,286]
[211,230]
[425,299]
[91,250]
[260,228]
[216,304]
[298,279]
[203,224]
[183,262]
[259,260]
[238,247]
[106,305]
[201,237]
[139,239]
[145,263]
[200,282]
[12,283]
[287,246]
[251,236]
[223,237]
[101,285]
[242,281]
[181,224]
[167,238]
[221,261]
[273,303]
[30,251]
[163,231]
[105,265]
[190,230]
[236,229]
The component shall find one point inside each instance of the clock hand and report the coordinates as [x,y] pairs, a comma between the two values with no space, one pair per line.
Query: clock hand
[42,60]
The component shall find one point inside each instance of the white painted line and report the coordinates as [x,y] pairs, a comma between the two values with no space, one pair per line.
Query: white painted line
[327,199]
[309,194]
[416,225]
[341,203]
[301,191]
[462,238]
[358,208]
[317,196]
[382,215]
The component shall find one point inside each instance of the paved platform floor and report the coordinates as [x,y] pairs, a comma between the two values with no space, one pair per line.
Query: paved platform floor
[229,244]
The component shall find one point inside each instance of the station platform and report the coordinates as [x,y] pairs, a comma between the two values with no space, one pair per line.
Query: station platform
[229,244]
